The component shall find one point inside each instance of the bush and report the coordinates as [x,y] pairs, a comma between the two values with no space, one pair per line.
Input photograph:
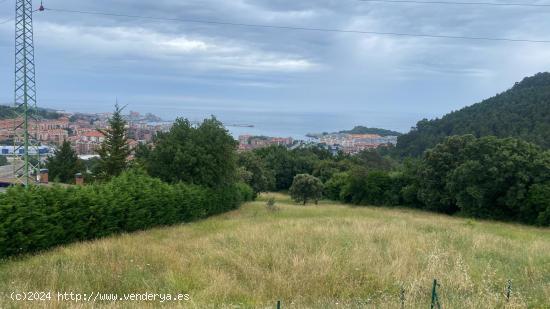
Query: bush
[270,204]
[41,218]
[246,192]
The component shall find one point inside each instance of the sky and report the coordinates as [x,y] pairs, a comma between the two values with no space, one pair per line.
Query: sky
[286,80]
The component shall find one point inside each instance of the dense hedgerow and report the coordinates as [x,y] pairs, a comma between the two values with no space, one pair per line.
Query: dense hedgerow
[41,218]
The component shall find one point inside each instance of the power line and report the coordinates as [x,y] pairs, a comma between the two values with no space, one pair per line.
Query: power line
[234,24]
[12,18]
[7,20]
[458,3]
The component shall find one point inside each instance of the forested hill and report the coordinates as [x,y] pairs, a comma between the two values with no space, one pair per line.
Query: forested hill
[365,130]
[522,112]
[7,112]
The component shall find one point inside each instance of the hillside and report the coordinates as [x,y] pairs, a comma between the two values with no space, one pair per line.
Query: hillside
[324,256]
[522,111]
[365,130]
[7,112]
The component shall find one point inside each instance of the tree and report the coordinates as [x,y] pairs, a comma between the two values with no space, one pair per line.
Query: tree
[286,164]
[538,204]
[141,155]
[436,165]
[3,161]
[64,164]
[494,179]
[520,112]
[114,150]
[203,155]
[306,187]
[281,162]
[373,160]
[255,173]
[484,178]
[334,186]
[325,169]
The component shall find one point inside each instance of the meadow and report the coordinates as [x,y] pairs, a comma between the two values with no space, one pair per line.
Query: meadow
[323,256]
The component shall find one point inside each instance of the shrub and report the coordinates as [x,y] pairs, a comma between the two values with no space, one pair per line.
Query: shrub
[41,218]
[246,192]
[270,204]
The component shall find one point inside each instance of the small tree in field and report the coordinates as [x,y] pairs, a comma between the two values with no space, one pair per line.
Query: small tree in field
[114,150]
[305,188]
[64,164]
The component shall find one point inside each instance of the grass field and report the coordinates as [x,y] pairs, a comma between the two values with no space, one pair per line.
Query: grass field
[325,256]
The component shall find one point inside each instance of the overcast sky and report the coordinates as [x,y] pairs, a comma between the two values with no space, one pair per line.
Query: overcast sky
[85,62]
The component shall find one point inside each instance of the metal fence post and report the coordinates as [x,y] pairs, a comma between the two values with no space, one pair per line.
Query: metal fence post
[402,298]
[278,304]
[435,297]
[508,290]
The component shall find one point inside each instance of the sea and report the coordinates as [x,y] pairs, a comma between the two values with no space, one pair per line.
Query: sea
[298,124]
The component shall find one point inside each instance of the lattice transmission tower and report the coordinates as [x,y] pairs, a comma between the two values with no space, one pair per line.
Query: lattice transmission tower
[26,154]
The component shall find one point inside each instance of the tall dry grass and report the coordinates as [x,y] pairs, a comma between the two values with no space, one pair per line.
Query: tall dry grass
[326,256]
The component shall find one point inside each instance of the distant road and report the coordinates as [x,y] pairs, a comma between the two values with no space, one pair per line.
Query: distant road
[6,171]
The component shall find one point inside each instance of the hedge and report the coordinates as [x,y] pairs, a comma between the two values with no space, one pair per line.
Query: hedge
[41,218]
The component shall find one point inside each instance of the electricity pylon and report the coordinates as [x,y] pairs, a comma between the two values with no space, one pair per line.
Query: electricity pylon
[26,154]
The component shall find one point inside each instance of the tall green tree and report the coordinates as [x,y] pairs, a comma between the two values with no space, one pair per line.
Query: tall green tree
[203,155]
[286,164]
[256,174]
[114,150]
[64,164]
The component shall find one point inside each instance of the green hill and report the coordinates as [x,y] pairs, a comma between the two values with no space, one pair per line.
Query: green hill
[7,112]
[324,256]
[365,130]
[522,112]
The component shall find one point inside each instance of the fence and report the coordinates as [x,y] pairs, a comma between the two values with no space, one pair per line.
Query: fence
[435,302]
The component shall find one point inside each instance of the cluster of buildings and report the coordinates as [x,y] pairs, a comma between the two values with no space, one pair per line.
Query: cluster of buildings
[48,131]
[83,131]
[354,143]
[335,142]
[250,142]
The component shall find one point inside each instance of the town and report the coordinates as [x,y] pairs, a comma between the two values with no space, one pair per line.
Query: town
[336,142]
[84,132]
